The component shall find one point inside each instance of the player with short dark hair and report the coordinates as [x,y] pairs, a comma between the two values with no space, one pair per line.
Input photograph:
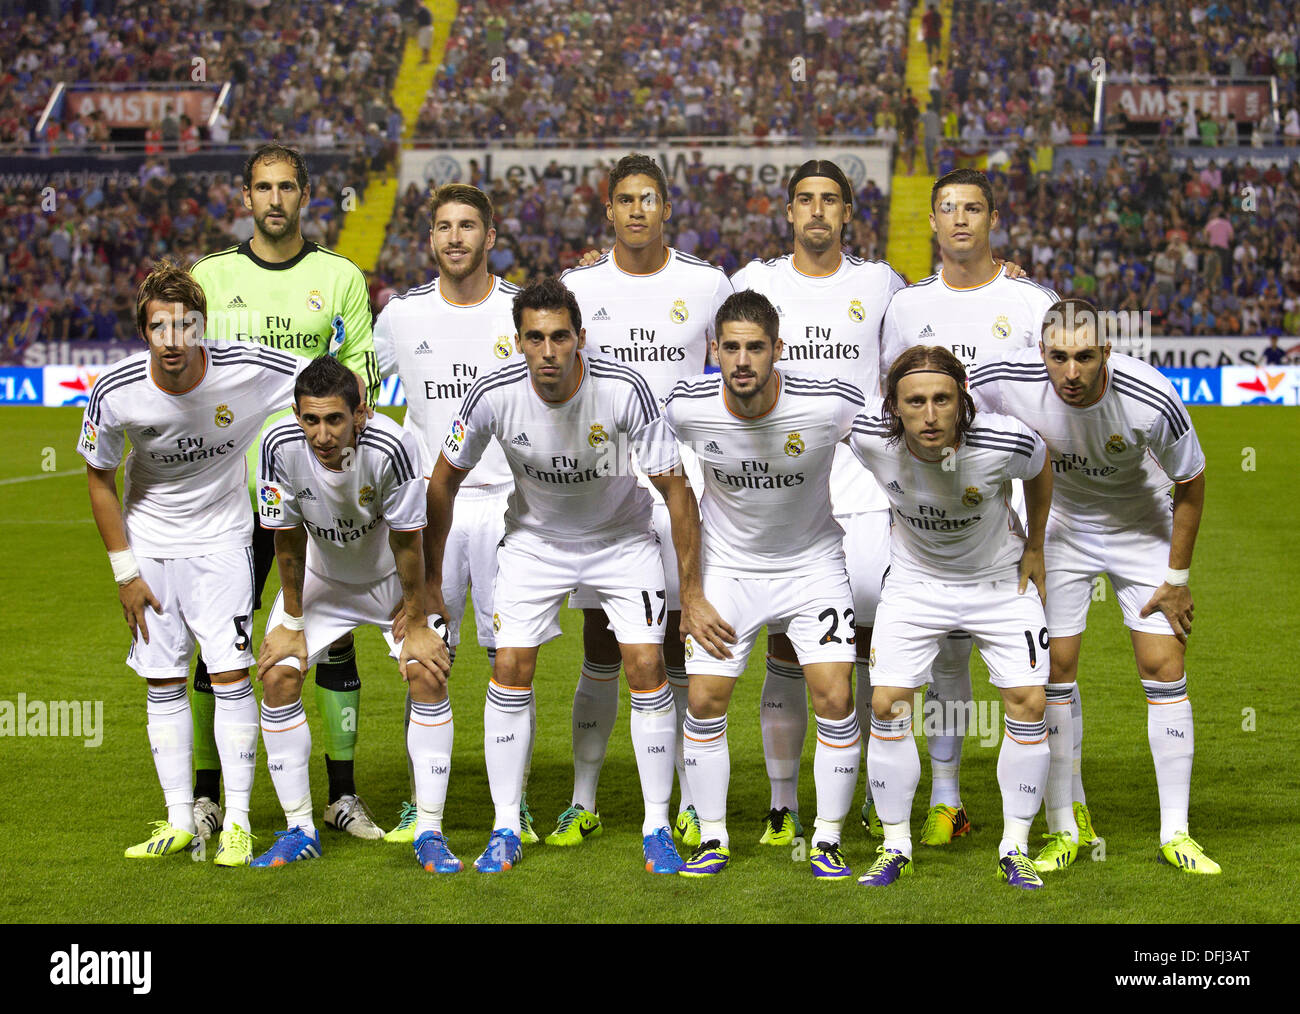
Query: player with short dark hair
[337,490]
[1130,487]
[281,290]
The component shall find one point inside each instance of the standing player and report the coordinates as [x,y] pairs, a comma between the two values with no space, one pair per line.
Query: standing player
[650,307]
[439,339]
[958,551]
[190,409]
[975,308]
[577,519]
[281,290]
[1120,441]
[772,554]
[831,306]
[335,491]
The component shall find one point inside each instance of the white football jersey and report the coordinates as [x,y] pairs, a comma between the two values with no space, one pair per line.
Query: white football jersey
[1114,461]
[1001,316]
[952,519]
[571,460]
[438,349]
[658,324]
[347,513]
[185,490]
[830,327]
[766,508]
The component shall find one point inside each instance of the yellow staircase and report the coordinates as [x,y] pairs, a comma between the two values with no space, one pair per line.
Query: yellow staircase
[908,249]
[365,225]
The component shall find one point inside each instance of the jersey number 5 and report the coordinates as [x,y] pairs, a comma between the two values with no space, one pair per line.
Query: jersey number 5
[241,632]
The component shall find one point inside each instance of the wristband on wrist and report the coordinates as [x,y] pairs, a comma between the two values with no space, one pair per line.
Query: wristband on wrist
[125,569]
[293,622]
[1177,578]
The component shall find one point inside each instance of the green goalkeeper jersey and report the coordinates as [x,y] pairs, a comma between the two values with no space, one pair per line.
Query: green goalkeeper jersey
[311,305]
[314,304]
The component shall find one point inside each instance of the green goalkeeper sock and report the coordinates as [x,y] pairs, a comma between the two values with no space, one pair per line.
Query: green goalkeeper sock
[338,699]
[207,761]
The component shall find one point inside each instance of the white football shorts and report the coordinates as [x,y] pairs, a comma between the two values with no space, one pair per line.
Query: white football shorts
[866,552]
[332,609]
[206,600]
[815,611]
[585,599]
[470,559]
[915,616]
[622,576]
[1132,558]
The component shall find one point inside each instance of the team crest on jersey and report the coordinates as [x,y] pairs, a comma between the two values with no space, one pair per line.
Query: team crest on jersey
[971,498]
[690,647]
[856,313]
[223,417]
[597,437]
[366,497]
[871,662]
[1002,327]
[502,348]
[315,301]
[1116,445]
[269,495]
[88,431]
[496,623]
[794,445]
[679,313]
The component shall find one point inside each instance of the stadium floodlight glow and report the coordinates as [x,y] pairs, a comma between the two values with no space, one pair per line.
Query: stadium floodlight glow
[216,106]
[60,88]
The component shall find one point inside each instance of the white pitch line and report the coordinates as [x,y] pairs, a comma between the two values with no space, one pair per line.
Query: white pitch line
[43,475]
[71,521]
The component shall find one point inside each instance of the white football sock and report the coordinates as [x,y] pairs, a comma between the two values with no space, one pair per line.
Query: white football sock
[654,734]
[1169,731]
[1060,738]
[428,742]
[288,754]
[679,683]
[171,738]
[709,764]
[234,727]
[595,710]
[862,705]
[953,699]
[1076,763]
[894,768]
[532,740]
[783,720]
[1022,776]
[835,772]
[505,744]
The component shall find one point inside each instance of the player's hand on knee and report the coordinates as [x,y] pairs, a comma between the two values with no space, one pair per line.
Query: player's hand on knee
[134,596]
[1032,568]
[1175,601]
[279,644]
[710,631]
[423,646]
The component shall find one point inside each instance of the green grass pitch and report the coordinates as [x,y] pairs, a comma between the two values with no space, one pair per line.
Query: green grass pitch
[70,810]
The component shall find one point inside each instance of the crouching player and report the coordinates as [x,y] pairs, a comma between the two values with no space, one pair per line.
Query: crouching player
[958,561]
[1130,487]
[191,410]
[335,487]
[773,555]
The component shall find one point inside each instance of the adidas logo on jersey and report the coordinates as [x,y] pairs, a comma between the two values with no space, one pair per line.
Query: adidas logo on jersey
[521,440]
[894,487]
[601,314]
[236,304]
[926,332]
[149,431]
[306,494]
[423,349]
[712,447]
